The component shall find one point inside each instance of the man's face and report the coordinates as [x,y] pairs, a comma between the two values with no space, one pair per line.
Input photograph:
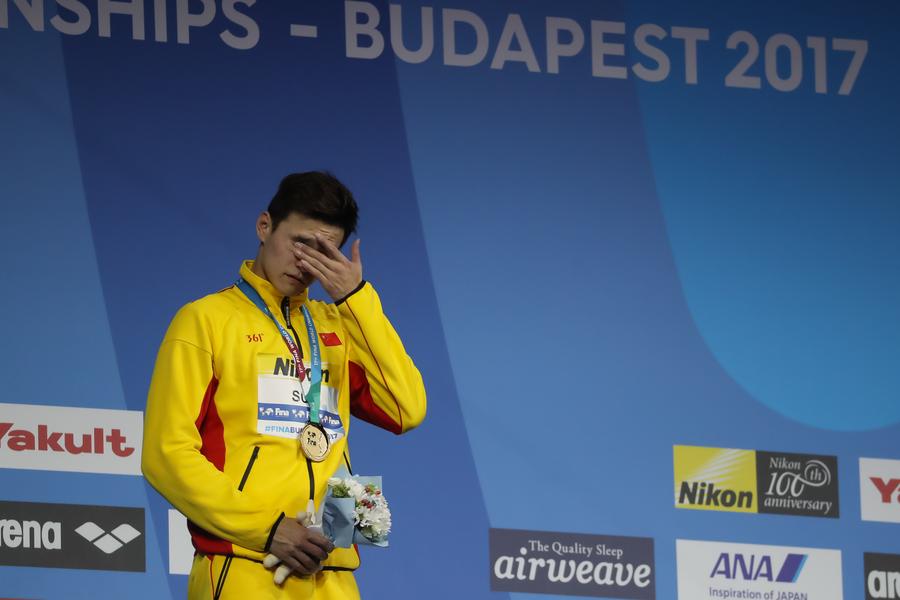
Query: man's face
[276,260]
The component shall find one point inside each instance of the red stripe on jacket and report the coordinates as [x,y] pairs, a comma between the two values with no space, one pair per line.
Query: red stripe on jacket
[212,434]
[361,404]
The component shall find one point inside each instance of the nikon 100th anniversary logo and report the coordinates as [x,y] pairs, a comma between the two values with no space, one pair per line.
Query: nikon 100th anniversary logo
[756,481]
[572,564]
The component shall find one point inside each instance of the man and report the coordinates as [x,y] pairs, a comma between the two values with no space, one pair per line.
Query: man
[247,417]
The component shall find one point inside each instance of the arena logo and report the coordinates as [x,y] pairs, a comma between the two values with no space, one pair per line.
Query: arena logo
[715,570]
[61,438]
[72,536]
[572,564]
[798,484]
[879,489]
[30,534]
[882,572]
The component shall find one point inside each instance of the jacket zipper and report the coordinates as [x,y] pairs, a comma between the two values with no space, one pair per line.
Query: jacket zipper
[226,566]
[249,468]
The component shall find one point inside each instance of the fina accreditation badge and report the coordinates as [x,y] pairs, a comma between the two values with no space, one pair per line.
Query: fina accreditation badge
[314,442]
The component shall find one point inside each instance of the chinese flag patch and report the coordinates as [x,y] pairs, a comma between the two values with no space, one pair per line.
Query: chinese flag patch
[330,339]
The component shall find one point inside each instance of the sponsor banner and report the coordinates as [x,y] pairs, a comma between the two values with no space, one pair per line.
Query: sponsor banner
[882,575]
[720,570]
[72,536]
[879,489]
[181,550]
[715,478]
[572,564]
[730,479]
[797,484]
[62,438]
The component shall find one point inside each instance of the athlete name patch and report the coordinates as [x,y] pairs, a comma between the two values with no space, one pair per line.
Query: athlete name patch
[282,410]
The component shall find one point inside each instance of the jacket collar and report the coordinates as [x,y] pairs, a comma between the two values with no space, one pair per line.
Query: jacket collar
[268,292]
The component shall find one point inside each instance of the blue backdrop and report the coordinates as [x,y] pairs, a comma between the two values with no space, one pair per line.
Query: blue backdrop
[689,252]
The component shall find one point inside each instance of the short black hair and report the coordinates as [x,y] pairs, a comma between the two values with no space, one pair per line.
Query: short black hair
[317,195]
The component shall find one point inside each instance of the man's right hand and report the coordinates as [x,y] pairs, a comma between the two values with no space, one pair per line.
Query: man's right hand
[299,548]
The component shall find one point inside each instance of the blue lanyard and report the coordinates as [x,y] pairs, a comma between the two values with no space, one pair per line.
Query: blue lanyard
[315,377]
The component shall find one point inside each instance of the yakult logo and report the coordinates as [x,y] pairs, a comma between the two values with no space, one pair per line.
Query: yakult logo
[879,489]
[571,564]
[59,438]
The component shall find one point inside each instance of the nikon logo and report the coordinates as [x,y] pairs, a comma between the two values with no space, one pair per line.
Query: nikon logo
[706,494]
[715,478]
[285,367]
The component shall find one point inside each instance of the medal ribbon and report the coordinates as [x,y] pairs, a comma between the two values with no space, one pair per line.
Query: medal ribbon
[315,379]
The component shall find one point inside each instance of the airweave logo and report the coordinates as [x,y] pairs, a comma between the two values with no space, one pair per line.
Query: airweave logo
[715,570]
[72,536]
[572,564]
[882,576]
[60,438]
[756,481]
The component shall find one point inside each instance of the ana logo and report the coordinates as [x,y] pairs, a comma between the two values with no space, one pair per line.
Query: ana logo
[882,576]
[108,542]
[879,489]
[715,478]
[573,564]
[754,567]
[60,438]
[716,570]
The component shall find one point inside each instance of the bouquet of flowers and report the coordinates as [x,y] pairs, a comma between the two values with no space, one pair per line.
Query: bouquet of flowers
[356,512]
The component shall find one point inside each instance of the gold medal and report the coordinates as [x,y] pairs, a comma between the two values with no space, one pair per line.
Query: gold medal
[314,442]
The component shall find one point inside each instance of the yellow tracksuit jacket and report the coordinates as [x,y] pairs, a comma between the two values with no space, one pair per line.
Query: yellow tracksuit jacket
[224,410]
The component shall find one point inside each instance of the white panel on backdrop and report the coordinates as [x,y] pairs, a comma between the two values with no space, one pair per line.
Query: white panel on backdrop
[60,438]
[879,489]
[708,570]
[181,551]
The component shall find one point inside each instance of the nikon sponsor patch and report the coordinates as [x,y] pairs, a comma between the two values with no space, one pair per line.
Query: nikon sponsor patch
[756,481]
[572,564]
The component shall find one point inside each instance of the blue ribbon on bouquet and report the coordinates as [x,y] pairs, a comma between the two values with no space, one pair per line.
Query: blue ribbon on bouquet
[339,515]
